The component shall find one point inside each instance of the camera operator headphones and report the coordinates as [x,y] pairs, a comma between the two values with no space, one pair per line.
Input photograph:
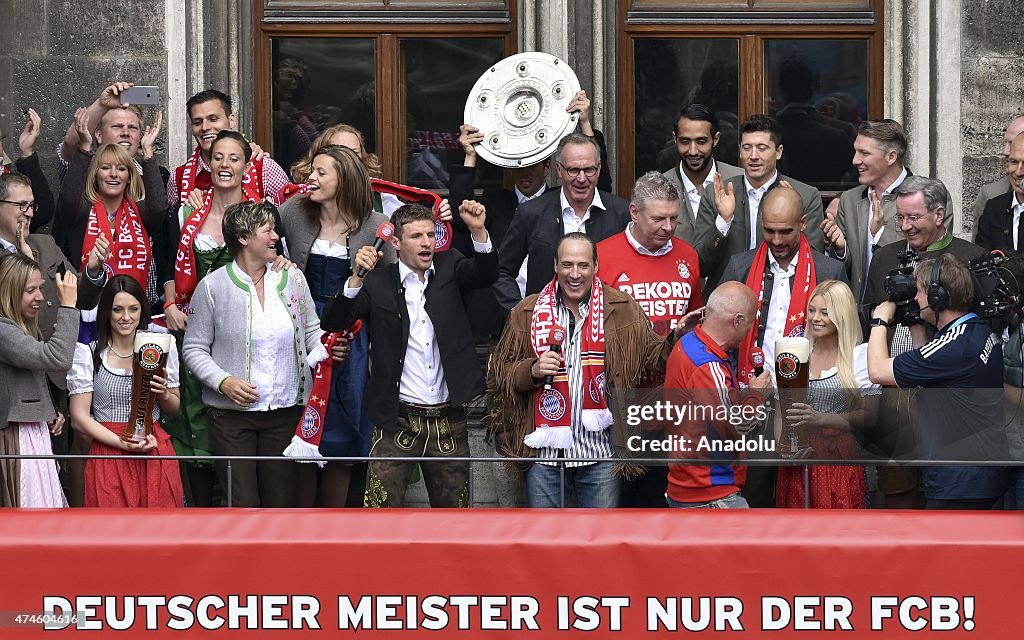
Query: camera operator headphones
[938,297]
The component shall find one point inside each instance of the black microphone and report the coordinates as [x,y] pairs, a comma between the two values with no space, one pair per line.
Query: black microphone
[384,233]
[555,339]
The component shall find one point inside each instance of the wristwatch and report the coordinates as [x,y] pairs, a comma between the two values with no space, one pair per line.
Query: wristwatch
[878,322]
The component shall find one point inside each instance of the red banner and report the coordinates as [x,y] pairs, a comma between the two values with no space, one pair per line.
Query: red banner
[408,574]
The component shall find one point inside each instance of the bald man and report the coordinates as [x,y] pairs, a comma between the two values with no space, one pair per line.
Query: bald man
[1000,224]
[781,272]
[1002,185]
[700,372]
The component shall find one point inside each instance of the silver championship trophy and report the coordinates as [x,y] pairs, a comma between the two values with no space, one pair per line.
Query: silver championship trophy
[519,105]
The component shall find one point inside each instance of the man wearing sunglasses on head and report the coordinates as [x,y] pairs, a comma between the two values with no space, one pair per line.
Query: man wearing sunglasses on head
[539,223]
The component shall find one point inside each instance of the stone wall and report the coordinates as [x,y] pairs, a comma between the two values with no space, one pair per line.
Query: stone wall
[57,55]
[992,86]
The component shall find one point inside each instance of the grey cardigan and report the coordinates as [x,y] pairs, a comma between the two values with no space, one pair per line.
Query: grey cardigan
[217,340]
[301,228]
[24,361]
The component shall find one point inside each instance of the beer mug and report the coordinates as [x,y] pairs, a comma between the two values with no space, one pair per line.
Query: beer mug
[151,349]
[792,367]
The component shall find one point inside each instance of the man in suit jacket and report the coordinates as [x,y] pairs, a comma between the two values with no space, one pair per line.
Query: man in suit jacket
[423,367]
[539,223]
[1002,185]
[778,274]
[696,136]
[999,226]
[727,220]
[866,218]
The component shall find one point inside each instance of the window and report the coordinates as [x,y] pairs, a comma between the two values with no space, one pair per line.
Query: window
[815,66]
[399,72]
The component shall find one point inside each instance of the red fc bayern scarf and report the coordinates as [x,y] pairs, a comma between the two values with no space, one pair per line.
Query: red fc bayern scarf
[552,415]
[252,185]
[129,250]
[289,190]
[805,281]
[306,441]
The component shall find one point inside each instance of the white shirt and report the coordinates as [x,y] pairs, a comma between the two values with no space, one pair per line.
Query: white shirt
[875,238]
[422,380]
[572,222]
[1017,208]
[422,373]
[7,246]
[754,196]
[272,344]
[641,249]
[692,194]
[521,198]
[775,322]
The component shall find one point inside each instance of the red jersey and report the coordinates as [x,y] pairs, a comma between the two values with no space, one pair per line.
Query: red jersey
[699,374]
[665,286]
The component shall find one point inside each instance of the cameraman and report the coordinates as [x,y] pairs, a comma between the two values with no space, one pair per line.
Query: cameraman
[921,204]
[963,354]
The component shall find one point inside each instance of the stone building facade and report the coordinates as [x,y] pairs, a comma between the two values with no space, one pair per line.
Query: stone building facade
[952,68]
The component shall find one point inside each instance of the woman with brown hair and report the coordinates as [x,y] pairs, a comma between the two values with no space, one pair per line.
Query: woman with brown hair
[325,229]
[101,385]
[347,136]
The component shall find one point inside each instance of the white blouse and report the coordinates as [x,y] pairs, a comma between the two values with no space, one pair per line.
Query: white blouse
[328,249]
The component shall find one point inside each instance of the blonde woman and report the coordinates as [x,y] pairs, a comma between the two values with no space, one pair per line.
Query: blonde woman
[841,400]
[27,415]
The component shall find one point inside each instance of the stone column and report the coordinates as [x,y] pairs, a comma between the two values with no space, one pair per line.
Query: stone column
[581,32]
[922,90]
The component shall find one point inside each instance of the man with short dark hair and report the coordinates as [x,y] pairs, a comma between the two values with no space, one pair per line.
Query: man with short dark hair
[577,206]
[209,113]
[423,364]
[964,357]
[608,343]
[696,136]
[865,219]
[728,220]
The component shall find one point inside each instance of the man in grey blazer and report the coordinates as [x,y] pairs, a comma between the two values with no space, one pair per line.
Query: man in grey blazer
[784,226]
[866,218]
[727,220]
[697,137]
[1002,185]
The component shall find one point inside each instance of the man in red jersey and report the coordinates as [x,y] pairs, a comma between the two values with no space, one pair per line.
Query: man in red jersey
[662,273]
[701,375]
[659,271]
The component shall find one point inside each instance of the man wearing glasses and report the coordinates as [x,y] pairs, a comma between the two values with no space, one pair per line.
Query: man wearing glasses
[539,223]
[921,205]
[1000,224]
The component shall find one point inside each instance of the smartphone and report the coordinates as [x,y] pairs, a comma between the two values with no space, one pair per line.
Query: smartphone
[140,95]
[62,269]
